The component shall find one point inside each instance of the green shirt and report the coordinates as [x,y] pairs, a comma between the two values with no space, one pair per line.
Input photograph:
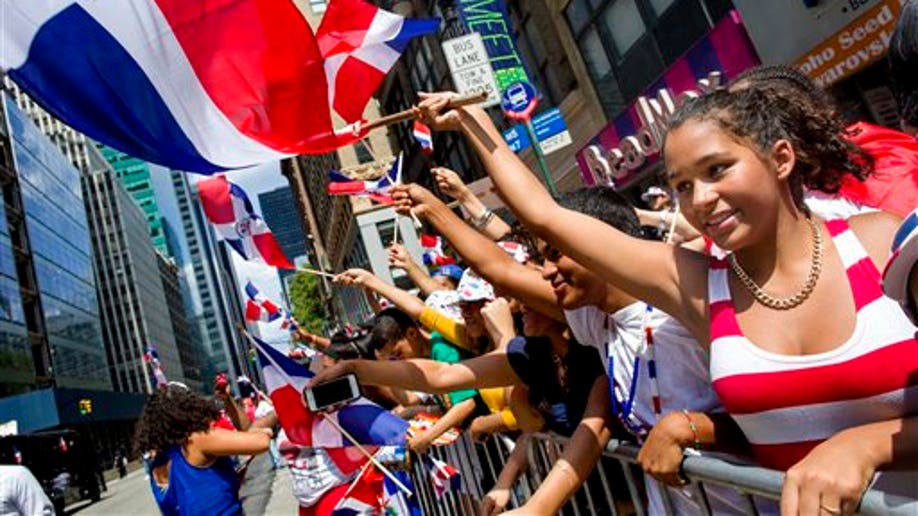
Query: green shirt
[442,350]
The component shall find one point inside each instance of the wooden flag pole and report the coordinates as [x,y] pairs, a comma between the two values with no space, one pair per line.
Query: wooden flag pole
[408,114]
[369,455]
[317,273]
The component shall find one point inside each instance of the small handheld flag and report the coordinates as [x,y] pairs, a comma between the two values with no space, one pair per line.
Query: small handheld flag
[424,137]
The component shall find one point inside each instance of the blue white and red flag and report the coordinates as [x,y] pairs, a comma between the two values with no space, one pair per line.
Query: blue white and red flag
[360,43]
[228,208]
[151,356]
[202,85]
[397,502]
[378,190]
[432,251]
[366,422]
[424,137]
[443,477]
[258,307]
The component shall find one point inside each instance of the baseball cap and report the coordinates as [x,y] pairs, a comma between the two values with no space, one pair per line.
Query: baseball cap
[903,256]
[450,271]
[473,288]
[652,192]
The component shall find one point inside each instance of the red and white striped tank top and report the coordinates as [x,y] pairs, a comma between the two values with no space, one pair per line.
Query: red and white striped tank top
[788,404]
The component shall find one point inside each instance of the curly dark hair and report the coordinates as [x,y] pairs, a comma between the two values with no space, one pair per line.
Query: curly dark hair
[762,114]
[784,76]
[171,415]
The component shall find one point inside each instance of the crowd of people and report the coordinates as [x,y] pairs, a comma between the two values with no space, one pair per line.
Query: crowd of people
[761,302]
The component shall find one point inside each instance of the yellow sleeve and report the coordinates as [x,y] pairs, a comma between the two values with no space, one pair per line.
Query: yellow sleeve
[495,399]
[506,415]
[452,331]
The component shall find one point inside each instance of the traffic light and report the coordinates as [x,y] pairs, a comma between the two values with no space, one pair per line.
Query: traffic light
[85,406]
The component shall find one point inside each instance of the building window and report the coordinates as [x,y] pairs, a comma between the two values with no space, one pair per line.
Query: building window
[660,6]
[544,57]
[624,23]
[627,44]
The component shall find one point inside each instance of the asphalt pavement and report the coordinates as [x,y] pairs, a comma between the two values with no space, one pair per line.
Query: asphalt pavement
[265,491]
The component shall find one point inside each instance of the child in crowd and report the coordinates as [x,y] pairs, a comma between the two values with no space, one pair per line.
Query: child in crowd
[602,316]
[192,472]
[739,172]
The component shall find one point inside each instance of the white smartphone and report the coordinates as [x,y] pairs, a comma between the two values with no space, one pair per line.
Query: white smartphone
[335,392]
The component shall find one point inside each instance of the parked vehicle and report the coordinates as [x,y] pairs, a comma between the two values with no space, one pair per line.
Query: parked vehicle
[63,462]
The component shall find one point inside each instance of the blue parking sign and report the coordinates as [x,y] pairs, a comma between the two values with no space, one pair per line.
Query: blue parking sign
[517,138]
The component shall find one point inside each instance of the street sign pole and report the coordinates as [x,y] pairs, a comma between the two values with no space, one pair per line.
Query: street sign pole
[519,101]
[540,158]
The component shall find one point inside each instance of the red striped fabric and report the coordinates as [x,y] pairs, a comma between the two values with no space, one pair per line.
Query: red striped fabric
[864,378]
[751,393]
[260,63]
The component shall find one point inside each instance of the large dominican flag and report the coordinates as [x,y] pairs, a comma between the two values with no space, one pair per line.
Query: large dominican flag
[194,85]
[361,43]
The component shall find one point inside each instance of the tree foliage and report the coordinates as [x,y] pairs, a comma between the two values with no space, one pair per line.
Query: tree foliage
[306,300]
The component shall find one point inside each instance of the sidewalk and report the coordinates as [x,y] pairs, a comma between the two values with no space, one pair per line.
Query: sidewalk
[282,502]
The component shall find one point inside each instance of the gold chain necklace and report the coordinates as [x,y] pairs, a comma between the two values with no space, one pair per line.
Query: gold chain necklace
[784,303]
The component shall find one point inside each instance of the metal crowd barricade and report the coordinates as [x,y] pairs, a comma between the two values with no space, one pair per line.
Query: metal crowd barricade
[756,489]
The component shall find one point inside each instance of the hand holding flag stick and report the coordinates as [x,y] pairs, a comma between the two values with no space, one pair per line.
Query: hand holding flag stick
[410,114]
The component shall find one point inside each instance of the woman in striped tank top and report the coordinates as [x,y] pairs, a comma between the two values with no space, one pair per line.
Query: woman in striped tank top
[817,367]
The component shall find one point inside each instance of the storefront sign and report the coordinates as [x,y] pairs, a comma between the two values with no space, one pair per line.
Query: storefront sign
[856,46]
[782,31]
[470,67]
[632,141]
[489,18]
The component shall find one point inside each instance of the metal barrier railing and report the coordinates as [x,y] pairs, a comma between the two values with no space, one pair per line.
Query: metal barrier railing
[617,485]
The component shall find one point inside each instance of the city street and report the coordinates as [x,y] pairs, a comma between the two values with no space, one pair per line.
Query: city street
[263,492]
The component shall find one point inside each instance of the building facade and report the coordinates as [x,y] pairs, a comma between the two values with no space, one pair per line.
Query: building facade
[134,174]
[49,234]
[132,299]
[279,211]
[190,353]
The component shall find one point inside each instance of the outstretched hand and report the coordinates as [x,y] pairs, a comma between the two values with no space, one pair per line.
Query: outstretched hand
[449,182]
[356,277]
[342,368]
[498,321]
[399,257]
[412,198]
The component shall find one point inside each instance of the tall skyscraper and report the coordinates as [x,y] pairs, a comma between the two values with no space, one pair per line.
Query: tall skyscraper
[51,331]
[131,294]
[134,174]
[190,352]
[278,208]
[210,313]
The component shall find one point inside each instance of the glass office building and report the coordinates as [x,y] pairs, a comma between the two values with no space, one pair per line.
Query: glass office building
[60,253]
